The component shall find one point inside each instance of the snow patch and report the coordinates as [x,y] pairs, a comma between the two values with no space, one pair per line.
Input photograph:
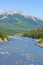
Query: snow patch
[4,17]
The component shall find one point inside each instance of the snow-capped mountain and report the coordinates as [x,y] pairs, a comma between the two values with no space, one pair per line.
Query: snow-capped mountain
[17,20]
[11,12]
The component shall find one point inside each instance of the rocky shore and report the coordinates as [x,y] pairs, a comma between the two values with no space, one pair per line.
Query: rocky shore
[39,44]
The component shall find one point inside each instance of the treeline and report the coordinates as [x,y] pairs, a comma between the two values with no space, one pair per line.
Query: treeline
[37,33]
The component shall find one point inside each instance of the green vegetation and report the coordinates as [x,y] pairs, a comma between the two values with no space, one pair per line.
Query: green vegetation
[37,34]
[3,36]
[40,41]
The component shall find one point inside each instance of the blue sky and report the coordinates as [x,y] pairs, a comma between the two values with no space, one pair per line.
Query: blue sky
[31,7]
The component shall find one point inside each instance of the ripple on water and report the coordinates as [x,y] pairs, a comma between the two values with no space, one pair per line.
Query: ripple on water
[23,52]
[4,53]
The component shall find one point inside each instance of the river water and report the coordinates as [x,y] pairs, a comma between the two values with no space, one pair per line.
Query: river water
[21,51]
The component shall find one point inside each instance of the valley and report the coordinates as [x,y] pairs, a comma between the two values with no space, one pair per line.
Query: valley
[20,24]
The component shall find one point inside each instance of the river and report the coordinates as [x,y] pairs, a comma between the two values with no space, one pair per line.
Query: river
[20,51]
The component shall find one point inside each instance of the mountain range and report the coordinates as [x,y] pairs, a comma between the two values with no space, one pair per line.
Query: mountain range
[13,21]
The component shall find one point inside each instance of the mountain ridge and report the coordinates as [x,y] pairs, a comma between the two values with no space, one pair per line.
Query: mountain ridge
[11,12]
[14,21]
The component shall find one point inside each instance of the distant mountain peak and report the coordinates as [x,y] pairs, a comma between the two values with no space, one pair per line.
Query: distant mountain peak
[11,12]
[17,12]
[14,20]
[2,11]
